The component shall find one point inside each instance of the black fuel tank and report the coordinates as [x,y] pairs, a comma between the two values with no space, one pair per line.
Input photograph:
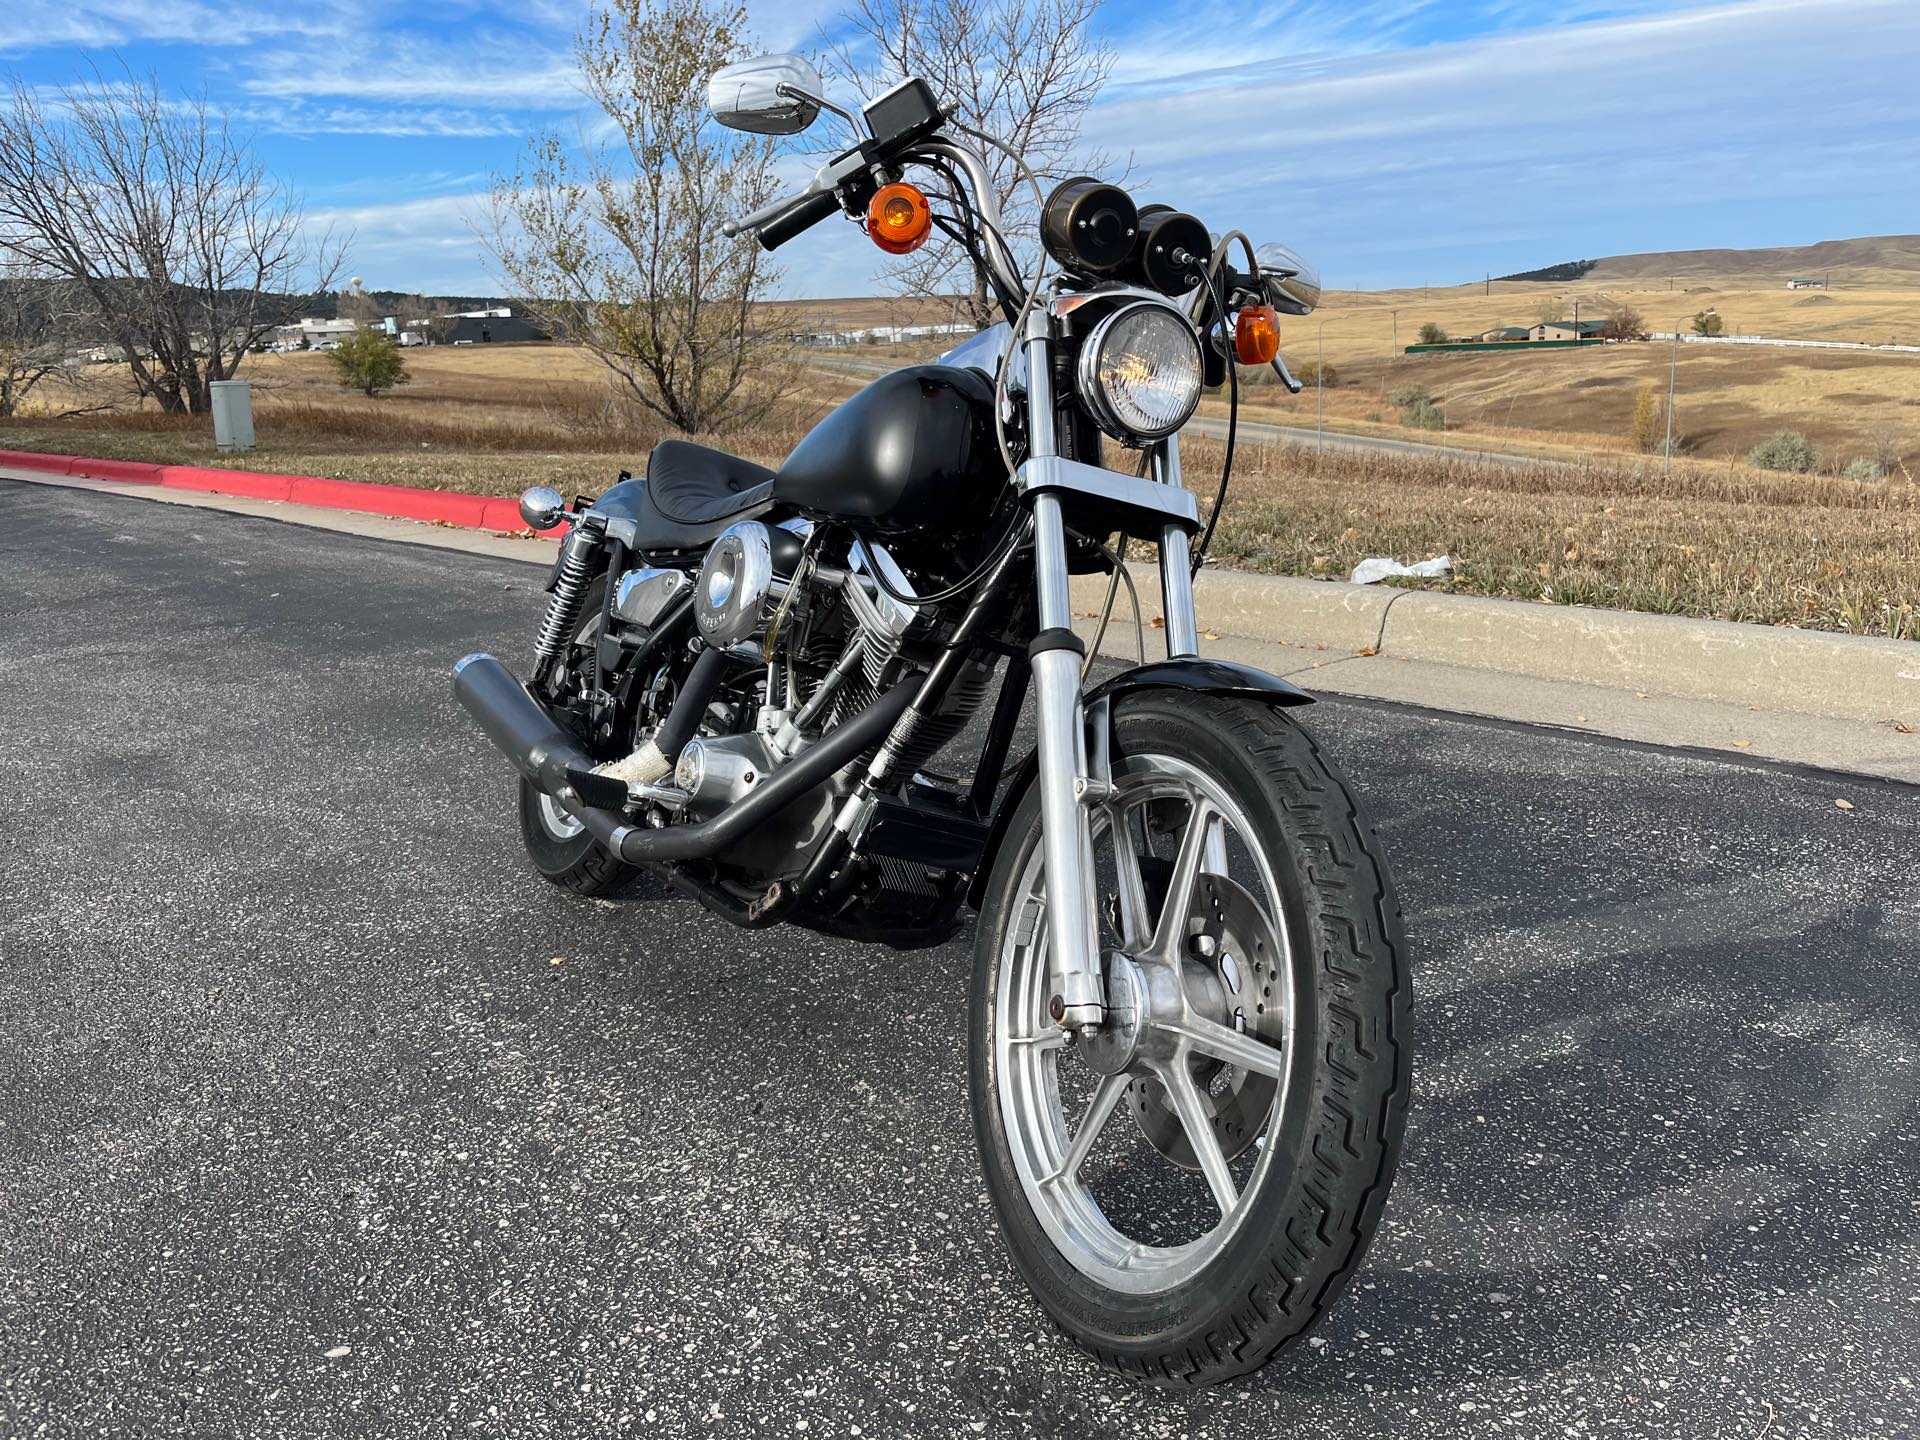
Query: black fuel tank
[912,451]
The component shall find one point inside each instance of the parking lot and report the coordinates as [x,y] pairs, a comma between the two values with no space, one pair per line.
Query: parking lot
[320,1114]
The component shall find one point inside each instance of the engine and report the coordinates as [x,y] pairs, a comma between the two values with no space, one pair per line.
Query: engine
[831,638]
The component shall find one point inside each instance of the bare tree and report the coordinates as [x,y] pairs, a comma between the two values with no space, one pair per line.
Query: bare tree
[184,250]
[618,247]
[1026,71]
[1624,324]
[33,339]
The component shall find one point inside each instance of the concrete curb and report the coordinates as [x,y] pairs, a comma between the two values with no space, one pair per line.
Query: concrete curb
[405,502]
[1852,677]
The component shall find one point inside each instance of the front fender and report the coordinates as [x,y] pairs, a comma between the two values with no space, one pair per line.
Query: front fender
[1212,677]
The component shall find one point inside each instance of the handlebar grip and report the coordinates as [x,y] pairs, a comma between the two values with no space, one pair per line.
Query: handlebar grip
[809,212]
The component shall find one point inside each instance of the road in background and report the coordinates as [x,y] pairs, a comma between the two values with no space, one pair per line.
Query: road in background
[1255,431]
[321,1115]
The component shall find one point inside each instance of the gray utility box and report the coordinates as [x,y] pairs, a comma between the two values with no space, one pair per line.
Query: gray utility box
[232,415]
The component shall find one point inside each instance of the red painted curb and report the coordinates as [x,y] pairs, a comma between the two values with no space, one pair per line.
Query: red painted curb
[405,502]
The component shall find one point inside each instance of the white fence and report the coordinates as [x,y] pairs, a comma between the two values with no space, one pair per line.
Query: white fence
[1788,344]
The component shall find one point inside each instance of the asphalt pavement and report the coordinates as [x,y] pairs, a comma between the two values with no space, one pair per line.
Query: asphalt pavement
[321,1115]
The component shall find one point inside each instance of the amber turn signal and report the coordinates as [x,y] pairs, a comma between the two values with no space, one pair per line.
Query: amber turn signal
[1256,335]
[898,218]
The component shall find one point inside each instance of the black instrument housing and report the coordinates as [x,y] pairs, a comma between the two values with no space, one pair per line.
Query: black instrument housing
[913,451]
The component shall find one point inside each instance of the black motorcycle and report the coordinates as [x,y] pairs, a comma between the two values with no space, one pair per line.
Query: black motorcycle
[747,680]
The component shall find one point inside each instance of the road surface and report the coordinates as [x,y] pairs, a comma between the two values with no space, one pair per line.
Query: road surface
[320,1115]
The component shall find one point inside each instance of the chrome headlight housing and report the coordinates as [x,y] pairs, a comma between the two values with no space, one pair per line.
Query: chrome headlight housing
[1140,372]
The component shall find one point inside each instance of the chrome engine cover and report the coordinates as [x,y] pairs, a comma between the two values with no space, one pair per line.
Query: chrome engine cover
[730,597]
[641,597]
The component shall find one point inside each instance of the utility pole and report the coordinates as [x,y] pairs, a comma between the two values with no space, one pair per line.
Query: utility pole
[1673,382]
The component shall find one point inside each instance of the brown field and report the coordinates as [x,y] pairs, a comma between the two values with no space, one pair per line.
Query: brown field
[1717,539]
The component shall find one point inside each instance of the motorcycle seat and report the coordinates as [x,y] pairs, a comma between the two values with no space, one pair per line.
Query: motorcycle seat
[692,493]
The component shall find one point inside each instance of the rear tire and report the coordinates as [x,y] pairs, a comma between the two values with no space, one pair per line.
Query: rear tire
[559,846]
[1180,1311]
[577,862]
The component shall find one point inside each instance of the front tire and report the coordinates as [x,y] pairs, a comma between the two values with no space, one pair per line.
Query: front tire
[1213,1226]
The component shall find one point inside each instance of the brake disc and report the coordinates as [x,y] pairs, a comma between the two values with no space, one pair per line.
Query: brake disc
[1232,976]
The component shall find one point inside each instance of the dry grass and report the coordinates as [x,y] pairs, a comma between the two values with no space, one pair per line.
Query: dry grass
[1716,540]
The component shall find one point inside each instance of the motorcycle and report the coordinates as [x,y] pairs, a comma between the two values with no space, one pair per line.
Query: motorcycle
[1189,1062]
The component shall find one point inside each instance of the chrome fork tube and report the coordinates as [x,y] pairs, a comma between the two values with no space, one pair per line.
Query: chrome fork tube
[1073,933]
[1176,564]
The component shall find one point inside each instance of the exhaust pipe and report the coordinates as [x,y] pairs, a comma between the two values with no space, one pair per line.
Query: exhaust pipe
[546,755]
[527,735]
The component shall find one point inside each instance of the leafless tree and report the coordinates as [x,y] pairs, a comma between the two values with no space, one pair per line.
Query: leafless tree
[1026,71]
[184,251]
[619,248]
[33,341]
[1624,324]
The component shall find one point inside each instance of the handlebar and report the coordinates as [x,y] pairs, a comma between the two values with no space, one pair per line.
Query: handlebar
[802,214]
[768,214]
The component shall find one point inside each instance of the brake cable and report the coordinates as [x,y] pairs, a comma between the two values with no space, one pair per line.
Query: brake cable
[1218,292]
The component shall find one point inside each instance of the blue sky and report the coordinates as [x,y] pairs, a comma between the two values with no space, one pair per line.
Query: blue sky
[1399,142]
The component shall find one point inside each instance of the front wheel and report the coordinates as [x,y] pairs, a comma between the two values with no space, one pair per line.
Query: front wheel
[1189,1189]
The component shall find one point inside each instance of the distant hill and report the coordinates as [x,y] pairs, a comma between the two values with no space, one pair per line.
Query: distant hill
[1887,258]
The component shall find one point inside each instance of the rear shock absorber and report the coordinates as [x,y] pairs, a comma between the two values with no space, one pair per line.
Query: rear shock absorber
[577,554]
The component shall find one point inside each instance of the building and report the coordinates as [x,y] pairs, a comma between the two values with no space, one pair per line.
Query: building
[1568,330]
[309,333]
[1806,283]
[1504,335]
[487,327]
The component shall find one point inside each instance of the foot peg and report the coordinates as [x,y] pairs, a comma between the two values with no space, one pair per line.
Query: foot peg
[600,791]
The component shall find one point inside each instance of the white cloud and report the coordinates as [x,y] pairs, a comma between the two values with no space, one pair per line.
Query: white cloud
[30,25]
[1522,146]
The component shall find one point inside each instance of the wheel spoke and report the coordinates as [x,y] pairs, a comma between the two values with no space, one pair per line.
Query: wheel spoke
[1215,862]
[1223,1042]
[1206,1146]
[1186,870]
[1135,926]
[1099,1110]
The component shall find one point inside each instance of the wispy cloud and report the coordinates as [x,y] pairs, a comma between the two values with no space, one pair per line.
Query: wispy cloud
[29,25]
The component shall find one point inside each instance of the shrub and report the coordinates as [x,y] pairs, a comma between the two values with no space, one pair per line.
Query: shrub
[1866,470]
[1885,443]
[1424,415]
[1312,372]
[1625,324]
[1373,417]
[1432,334]
[369,361]
[1785,450]
[1648,432]
[1708,323]
[1549,310]
[1402,396]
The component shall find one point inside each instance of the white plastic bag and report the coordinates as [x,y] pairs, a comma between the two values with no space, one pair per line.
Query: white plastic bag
[1370,572]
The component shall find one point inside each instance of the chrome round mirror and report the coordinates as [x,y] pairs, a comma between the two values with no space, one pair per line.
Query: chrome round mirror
[1293,285]
[542,507]
[767,95]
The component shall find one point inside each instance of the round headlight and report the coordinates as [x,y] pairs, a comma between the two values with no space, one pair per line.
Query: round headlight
[1140,372]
